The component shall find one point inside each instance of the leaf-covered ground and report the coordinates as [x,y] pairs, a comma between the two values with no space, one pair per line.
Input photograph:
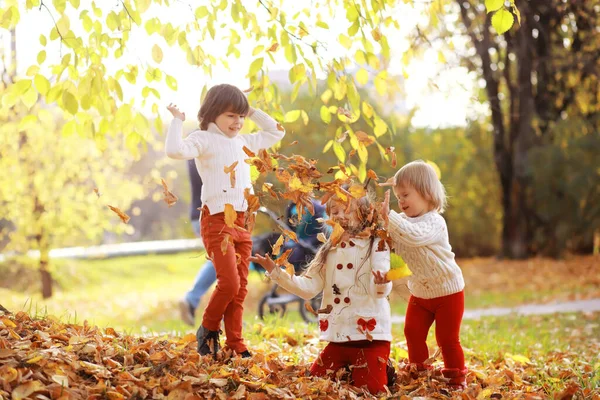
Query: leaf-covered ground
[511,357]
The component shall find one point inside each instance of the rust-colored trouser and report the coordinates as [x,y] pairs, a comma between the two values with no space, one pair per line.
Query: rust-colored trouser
[227,300]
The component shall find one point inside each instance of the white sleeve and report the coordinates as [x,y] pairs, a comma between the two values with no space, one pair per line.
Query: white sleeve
[179,148]
[268,135]
[306,287]
[424,232]
[380,261]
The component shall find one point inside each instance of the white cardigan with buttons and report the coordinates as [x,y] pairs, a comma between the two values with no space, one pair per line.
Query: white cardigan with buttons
[359,308]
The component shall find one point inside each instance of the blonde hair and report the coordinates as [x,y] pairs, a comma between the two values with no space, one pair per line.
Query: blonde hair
[422,177]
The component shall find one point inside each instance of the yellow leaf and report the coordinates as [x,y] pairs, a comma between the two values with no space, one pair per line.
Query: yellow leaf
[321,237]
[230,215]
[357,191]
[362,76]
[485,394]
[157,54]
[277,245]
[518,358]
[70,102]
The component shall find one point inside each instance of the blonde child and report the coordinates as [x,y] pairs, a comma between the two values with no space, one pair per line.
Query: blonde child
[215,146]
[420,236]
[355,313]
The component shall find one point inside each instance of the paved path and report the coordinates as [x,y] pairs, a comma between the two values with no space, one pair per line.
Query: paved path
[529,309]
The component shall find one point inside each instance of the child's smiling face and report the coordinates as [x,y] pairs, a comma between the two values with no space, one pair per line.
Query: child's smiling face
[410,201]
[230,123]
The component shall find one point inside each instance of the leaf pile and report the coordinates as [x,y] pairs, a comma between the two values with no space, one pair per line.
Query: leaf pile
[46,359]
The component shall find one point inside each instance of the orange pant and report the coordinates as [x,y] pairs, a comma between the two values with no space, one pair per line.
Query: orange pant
[227,300]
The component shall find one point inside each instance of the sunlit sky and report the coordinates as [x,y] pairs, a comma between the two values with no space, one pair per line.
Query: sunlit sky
[442,93]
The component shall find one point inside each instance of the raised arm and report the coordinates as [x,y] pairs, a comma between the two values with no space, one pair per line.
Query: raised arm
[179,148]
[270,131]
[421,232]
[306,287]
[380,265]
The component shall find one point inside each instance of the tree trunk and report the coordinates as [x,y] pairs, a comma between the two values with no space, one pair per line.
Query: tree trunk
[45,275]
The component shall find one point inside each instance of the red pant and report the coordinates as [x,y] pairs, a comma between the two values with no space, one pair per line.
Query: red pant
[447,312]
[369,361]
[227,300]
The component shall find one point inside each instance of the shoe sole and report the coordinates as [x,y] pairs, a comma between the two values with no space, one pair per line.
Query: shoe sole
[184,313]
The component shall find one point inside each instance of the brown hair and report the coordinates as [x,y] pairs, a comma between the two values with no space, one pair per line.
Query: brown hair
[220,99]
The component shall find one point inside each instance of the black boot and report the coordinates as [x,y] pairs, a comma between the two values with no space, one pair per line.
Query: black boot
[208,342]
[245,354]
[391,373]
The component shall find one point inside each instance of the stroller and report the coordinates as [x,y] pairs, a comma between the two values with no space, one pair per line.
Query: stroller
[275,302]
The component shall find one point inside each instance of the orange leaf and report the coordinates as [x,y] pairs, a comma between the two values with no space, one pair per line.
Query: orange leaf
[364,138]
[170,198]
[309,308]
[277,245]
[252,200]
[248,152]
[225,243]
[280,127]
[336,234]
[371,174]
[230,215]
[291,235]
[251,88]
[391,151]
[97,191]
[273,47]
[26,389]
[294,142]
[231,171]
[124,217]
[344,112]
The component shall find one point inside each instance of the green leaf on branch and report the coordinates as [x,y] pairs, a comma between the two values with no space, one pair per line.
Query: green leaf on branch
[493,5]
[502,21]
[291,116]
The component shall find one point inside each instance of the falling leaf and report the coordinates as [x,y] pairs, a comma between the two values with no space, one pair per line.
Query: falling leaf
[291,235]
[336,234]
[225,243]
[357,191]
[230,215]
[273,47]
[294,142]
[364,139]
[231,171]
[280,128]
[277,245]
[248,152]
[124,217]
[97,191]
[169,198]
[321,237]
[372,175]
[251,88]
[391,151]
[268,187]
[252,200]
[309,308]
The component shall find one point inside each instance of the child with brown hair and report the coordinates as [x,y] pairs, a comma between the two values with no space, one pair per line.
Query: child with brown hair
[216,146]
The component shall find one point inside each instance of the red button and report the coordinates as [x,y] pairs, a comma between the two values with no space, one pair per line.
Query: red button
[343,245]
[340,266]
[352,244]
[347,300]
[337,300]
[350,266]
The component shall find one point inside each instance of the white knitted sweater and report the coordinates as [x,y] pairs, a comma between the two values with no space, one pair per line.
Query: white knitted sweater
[423,243]
[213,150]
[357,305]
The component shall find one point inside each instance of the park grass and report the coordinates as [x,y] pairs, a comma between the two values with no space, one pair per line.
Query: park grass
[139,294]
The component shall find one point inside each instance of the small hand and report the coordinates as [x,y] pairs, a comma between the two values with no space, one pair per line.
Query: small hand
[266,262]
[379,278]
[175,112]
